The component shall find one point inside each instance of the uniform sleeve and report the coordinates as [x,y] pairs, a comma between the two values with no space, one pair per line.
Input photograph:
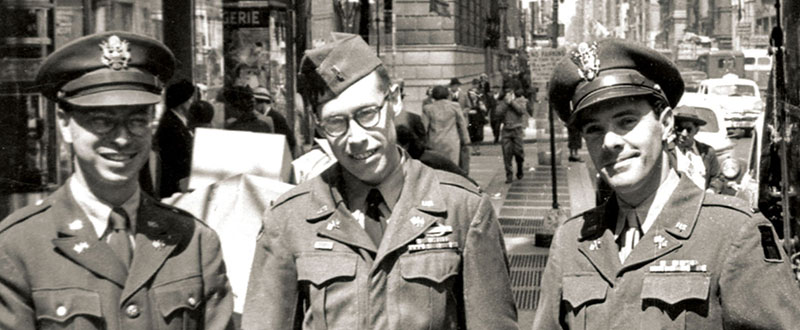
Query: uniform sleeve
[488,301]
[272,292]
[548,310]
[218,295]
[16,309]
[757,286]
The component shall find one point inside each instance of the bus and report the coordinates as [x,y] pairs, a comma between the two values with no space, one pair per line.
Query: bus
[757,66]
[717,63]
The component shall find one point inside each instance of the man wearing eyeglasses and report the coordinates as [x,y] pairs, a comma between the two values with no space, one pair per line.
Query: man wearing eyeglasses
[379,240]
[99,253]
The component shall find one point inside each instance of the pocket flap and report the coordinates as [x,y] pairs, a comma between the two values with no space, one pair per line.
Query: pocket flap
[581,289]
[186,293]
[319,268]
[62,304]
[433,266]
[674,288]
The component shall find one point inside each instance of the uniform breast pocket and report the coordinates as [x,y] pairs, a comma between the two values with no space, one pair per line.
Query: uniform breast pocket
[179,302]
[426,295]
[668,297]
[329,280]
[68,308]
[582,292]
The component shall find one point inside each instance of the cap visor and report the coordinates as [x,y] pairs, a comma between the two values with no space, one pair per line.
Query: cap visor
[115,98]
[610,93]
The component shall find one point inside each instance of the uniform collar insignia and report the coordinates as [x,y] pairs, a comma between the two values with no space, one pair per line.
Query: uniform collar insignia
[585,57]
[116,54]
[76,225]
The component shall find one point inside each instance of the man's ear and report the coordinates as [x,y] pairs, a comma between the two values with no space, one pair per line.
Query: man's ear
[63,121]
[667,120]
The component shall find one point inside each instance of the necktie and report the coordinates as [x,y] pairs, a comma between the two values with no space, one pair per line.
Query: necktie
[630,235]
[374,223]
[117,235]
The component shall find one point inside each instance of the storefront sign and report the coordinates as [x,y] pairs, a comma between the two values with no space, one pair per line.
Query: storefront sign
[245,17]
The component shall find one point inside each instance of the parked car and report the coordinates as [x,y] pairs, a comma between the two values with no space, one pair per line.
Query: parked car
[739,98]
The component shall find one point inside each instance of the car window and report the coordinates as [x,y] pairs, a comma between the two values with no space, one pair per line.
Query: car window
[764,61]
[710,118]
[734,90]
[749,60]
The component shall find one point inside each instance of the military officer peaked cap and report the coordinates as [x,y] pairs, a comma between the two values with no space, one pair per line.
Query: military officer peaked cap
[609,69]
[331,68]
[107,69]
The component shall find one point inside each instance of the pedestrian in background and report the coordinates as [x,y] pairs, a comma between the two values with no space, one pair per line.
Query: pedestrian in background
[695,159]
[264,107]
[574,143]
[174,140]
[99,253]
[201,114]
[379,240]
[515,116]
[661,253]
[241,103]
[476,115]
[446,127]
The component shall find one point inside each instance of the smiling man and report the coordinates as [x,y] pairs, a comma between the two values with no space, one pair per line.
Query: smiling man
[99,253]
[378,241]
[661,253]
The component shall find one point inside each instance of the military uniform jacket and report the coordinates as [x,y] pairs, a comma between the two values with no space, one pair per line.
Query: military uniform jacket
[316,268]
[706,263]
[56,274]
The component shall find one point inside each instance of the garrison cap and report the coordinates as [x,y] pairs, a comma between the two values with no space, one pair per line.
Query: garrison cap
[609,69]
[107,69]
[331,68]
[688,113]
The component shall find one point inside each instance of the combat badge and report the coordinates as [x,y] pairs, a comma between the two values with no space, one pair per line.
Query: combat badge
[585,57]
[768,244]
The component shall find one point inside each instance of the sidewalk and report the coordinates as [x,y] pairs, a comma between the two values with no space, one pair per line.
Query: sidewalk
[522,205]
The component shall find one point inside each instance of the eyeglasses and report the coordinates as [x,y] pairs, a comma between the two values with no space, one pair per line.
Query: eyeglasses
[138,125]
[366,117]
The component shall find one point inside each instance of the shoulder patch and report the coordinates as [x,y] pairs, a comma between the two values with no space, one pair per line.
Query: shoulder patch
[23,213]
[726,201]
[769,245]
[452,179]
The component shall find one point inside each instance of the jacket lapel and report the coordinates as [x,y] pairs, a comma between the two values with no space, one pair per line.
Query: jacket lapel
[415,212]
[597,243]
[154,243]
[678,218]
[78,241]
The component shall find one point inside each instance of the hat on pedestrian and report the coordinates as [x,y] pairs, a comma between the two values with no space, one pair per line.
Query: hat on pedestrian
[610,69]
[178,93]
[107,69]
[455,82]
[262,94]
[687,113]
[326,71]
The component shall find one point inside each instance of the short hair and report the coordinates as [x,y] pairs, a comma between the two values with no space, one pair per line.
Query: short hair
[440,93]
[312,88]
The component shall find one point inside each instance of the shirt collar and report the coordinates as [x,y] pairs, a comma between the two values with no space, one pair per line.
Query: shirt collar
[651,207]
[181,117]
[391,188]
[98,211]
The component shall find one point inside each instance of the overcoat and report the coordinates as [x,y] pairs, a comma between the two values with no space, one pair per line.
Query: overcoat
[447,129]
[56,274]
[706,263]
[316,268]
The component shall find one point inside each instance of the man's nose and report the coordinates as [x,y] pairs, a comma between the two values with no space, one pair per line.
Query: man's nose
[357,133]
[612,141]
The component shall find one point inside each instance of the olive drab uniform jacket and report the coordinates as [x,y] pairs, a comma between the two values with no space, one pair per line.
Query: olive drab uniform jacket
[316,268]
[706,263]
[55,273]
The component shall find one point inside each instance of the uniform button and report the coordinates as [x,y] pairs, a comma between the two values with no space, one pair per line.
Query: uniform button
[61,311]
[192,301]
[132,311]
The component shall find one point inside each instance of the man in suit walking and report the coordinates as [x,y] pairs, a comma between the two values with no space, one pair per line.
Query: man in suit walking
[99,253]
[174,139]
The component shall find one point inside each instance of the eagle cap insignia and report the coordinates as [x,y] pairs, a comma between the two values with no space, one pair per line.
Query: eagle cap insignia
[116,53]
[585,57]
